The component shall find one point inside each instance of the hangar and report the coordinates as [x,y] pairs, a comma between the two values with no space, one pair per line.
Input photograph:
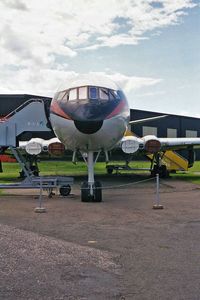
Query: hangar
[172,126]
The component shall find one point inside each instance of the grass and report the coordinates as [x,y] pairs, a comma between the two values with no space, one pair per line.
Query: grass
[11,170]
[63,168]
[192,175]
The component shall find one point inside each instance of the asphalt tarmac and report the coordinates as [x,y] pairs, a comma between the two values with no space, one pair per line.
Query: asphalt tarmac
[118,249]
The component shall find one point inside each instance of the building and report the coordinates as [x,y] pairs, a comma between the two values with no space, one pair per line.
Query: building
[172,126]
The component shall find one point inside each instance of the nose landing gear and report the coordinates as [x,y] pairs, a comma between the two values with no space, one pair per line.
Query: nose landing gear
[91,191]
[87,196]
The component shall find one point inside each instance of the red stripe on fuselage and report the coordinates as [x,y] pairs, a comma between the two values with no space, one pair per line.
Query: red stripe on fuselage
[55,108]
[117,109]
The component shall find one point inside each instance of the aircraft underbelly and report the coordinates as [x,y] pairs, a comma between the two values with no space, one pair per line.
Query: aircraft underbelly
[106,138]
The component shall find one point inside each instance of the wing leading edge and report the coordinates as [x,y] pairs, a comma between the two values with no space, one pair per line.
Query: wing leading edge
[179,143]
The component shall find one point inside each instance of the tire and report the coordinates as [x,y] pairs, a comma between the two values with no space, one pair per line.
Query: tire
[35,170]
[21,174]
[97,191]
[85,192]
[65,190]
[162,171]
[109,170]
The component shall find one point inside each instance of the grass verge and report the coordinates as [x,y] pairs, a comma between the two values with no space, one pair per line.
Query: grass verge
[67,168]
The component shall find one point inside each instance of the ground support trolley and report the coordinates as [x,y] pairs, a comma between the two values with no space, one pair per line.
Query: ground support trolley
[47,183]
[125,167]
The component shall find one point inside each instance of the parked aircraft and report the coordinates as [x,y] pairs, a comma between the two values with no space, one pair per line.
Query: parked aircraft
[90,114]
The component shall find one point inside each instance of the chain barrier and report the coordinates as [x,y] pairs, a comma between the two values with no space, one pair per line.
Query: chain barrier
[127,184]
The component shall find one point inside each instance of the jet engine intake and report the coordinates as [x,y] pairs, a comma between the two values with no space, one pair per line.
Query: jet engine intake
[151,144]
[131,144]
[56,148]
[33,148]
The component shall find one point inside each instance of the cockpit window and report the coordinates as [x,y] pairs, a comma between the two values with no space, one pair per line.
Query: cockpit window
[66,97]
[60,95]
[93,92]
[72,94]
[113,95]
[103,94]
[82,92]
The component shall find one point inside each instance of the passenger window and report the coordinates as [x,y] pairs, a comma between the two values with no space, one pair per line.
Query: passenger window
[82,92]
[73,94]
[103,94]
[93,93]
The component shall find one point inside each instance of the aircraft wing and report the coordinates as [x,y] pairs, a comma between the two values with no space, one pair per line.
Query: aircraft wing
[179,143]
[153,144]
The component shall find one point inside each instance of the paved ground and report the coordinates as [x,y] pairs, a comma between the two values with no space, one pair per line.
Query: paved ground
[118,249]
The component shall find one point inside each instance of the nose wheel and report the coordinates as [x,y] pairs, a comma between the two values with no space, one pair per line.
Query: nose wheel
[87,196]
[91,191]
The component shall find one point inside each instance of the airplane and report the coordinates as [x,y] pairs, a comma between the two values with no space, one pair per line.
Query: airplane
[90,114]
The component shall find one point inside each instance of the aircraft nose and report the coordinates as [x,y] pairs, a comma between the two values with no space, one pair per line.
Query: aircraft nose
[88,127]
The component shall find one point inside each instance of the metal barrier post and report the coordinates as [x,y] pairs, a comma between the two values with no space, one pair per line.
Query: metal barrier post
[40,209]
[157,205]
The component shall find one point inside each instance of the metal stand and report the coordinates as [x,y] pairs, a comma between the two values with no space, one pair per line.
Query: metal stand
[27,171]
[90,164]
[157,205]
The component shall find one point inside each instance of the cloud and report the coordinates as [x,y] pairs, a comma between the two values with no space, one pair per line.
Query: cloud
[38,82]
[150,94]
[133,83]
[35,35]
[15,4]
[14,43]
[89,24]
[47,81]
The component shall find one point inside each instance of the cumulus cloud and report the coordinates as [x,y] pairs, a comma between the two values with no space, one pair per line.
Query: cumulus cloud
[37,81]
[132,83]
[34,34]
[90,24]
[47,81]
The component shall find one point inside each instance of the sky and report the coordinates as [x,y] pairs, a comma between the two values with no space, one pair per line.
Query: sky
[150,48]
